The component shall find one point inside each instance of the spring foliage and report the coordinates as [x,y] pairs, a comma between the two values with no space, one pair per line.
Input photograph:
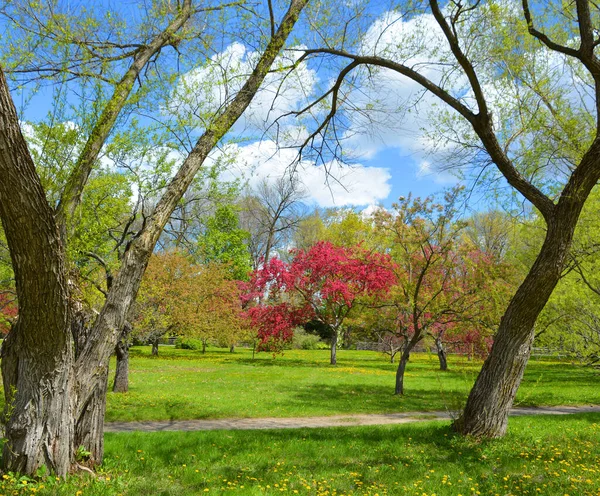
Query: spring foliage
[181,298]
[322,283]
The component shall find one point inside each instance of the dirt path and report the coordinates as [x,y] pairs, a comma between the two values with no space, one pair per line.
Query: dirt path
[332,421]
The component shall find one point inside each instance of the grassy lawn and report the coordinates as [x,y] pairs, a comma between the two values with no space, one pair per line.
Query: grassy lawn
[544,455]
[184,384]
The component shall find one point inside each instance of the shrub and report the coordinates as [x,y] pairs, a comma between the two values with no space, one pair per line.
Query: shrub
[188,344]
[304,341]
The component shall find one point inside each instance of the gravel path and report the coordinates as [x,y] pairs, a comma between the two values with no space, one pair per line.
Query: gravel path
[332,421]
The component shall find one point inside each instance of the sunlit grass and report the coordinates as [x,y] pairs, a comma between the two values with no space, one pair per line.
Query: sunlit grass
[544,455]
[184,384]
[541,455]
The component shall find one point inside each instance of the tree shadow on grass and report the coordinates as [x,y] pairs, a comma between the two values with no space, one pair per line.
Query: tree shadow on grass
[415,450]
[366,398]
[343,364]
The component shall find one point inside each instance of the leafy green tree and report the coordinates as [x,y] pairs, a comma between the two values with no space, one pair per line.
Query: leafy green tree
[570,321]
[517,94]
[225,243]
[311,230]
[58,400]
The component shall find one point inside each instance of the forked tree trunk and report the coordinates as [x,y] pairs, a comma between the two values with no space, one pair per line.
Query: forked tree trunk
[441,353]
[154,343]
[121,384]
[49,394]
[232,348]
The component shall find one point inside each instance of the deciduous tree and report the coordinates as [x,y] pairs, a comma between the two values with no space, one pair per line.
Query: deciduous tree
[59,390]
[270,213]
[522,89]
[322,283]
[440,284]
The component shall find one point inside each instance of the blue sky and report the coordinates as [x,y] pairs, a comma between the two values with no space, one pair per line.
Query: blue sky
[392,166]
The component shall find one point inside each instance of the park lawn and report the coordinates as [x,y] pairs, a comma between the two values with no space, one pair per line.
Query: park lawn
[184,384]
[547,455]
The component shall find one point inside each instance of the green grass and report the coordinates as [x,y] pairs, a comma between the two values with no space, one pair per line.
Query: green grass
[184,384]
[541,455]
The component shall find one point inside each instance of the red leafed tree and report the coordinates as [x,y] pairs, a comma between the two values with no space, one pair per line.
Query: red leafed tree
[322,283]
[8,311]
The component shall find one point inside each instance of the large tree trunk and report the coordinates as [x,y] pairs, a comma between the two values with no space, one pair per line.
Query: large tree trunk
[48,393]
[441,353]
[38,427]
[38,353]
[89,426]
[154,343]
[492,396]
[121,384]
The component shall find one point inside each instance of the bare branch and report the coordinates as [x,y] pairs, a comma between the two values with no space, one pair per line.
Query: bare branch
[452,37]
[481,123]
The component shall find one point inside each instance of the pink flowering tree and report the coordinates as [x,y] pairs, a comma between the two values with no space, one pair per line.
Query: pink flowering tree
[323,283]
[441,282]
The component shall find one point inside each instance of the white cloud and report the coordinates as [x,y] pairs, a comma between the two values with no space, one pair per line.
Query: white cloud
[420,125]
[331,185]
[203,91]
[370,211]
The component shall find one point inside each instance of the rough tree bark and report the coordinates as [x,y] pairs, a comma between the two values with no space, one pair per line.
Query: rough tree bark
[54,394]
[121,383]
[154,344]
[38,353]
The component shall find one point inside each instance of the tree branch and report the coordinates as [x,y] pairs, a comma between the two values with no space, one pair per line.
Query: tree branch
[71,196]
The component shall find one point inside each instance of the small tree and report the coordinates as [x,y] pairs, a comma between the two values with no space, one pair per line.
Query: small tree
[439,282]
[198,301]
[163,286]
[323,283]
[224,242]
